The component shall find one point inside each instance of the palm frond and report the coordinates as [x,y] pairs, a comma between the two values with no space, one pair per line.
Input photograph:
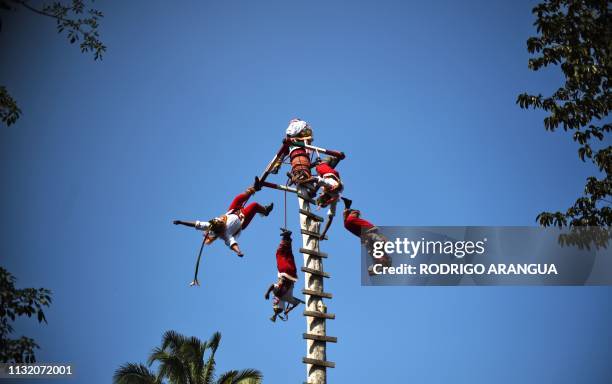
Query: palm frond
[193,350]
[248,376]
[245,376]
[172,340]
[227,377]
[192,354]
[174,369]
[213,342]
[208,371]
[131,373]
[156,354]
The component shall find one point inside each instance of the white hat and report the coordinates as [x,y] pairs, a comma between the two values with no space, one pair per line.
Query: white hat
[296,126]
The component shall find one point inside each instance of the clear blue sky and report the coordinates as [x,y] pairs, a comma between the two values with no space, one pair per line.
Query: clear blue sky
[191,101]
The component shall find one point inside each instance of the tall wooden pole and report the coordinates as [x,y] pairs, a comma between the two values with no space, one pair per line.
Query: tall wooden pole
[314,274]
[316,310]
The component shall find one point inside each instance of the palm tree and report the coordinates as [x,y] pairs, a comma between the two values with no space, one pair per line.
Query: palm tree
[131,373]
[182,360]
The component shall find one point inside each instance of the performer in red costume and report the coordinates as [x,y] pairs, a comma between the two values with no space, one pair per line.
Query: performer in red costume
[366,231]
[229,225]
[284,301]
[328,180]
[298,131]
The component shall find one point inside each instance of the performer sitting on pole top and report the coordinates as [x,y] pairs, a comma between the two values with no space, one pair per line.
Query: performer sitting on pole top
[366,231]
[297,131]
[331,186]
[284,301]
[229,225]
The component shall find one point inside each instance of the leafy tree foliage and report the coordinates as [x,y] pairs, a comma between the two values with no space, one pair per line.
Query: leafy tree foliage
[19,302]
[9,111]
[576,35]
[80,25]
[183,360]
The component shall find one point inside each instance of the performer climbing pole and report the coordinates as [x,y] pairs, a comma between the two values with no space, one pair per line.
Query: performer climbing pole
[298,147]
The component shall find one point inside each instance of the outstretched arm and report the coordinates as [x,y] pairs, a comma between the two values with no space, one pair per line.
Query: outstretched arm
[234,247]
[270,288]
[327,225]
[186,223]
[201,225]
[330,217]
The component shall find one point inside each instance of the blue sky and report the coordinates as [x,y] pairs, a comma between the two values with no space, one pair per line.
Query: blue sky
[191,101]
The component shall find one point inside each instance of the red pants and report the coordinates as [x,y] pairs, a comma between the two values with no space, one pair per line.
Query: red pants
[324,168]
[249,211]
[284,259]
[355,224]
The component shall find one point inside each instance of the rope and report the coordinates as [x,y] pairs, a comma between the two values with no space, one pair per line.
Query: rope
[286,186]
[195,281]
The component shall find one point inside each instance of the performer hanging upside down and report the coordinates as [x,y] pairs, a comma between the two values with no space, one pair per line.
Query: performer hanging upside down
[366,231]
[229,225]
[284,301]
[331,187]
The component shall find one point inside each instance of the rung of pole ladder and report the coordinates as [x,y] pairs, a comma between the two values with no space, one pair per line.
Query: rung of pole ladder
[321,363]
[311,215]
[315,272]
[312,336]
[320,315]
[313,253]
[317,293]
[313,234]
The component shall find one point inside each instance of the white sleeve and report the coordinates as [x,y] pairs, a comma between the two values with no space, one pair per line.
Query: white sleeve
[329,183]
[230,240]
[319,181]
[202,225]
